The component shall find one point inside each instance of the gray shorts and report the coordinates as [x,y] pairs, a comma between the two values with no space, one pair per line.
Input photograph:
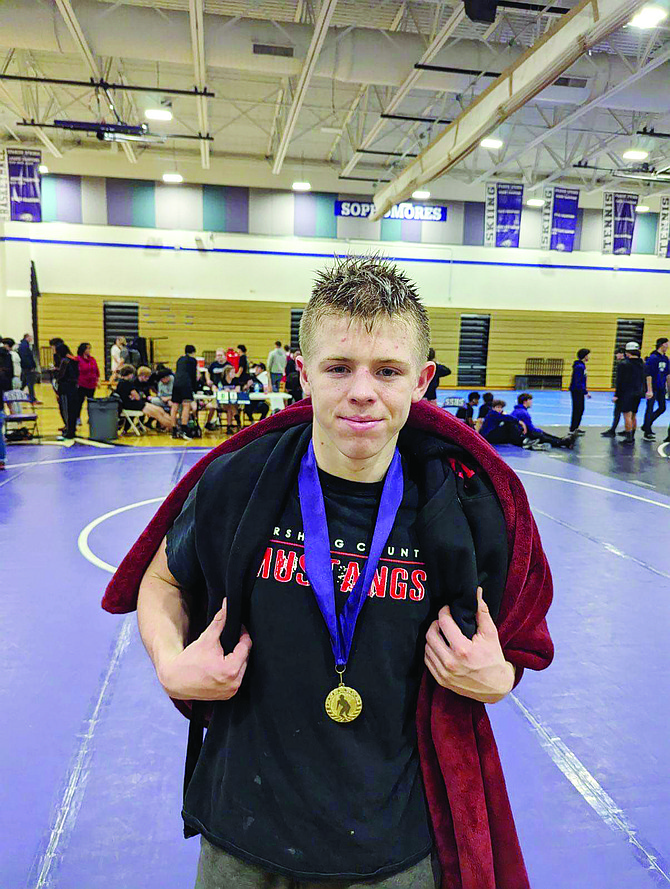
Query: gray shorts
[219,870]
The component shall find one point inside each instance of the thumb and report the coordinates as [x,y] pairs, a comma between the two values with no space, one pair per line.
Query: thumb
[484,619]
[218,622]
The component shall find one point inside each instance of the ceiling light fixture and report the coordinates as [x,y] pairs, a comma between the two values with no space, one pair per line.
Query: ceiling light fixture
[642,208]
[158,114]
[336,131]
[649,17]
[491,143]
[173,178]
[420,195]
[535,202]
[301,186]
[43,169]
[635,154]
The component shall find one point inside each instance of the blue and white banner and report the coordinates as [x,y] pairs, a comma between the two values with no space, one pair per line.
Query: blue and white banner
[25,192]
[663,239]
[559,218]
[618,222]
[421,212]
[502,221]
[4,187]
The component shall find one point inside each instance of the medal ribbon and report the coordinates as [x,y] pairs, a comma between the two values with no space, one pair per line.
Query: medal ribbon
[317,550]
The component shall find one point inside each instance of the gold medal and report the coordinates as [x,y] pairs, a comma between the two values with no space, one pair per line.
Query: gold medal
[343,704]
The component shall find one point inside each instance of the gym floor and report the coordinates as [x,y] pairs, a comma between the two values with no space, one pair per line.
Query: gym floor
[92,750]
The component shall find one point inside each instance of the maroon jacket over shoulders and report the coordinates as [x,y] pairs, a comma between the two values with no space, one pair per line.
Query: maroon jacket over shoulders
[471,817]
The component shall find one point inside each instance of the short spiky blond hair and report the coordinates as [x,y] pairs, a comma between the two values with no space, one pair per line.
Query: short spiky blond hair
[366,288]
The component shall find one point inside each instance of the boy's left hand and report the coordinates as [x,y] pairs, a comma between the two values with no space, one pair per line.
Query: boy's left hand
[475,668]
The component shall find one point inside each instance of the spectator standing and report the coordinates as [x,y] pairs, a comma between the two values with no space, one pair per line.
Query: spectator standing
[630,389]
[277,365]
[657,368]
[6,371]
[290,363]
[500,428]
[89,374]
[118,354]
[243,363]
[578,390]
[619,356]
[537,438]
[68,391]
[441,370]
[185,383]
[26,352]
[467,410]
[16,362]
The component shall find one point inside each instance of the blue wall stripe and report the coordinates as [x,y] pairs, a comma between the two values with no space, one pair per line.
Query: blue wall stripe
[295,253]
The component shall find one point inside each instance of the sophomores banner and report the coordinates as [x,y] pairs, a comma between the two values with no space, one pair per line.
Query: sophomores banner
[663,243]
[503,215]
[406,210]
[559,218]
[618,222]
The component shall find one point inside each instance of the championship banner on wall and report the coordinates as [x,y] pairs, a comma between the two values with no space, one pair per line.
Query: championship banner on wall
[4,187]
[559,218]
[502,219]
[21,174]
[618,222]
[405,210]
[663,240]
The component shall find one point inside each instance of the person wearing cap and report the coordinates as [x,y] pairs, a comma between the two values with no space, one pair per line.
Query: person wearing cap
[657,368]
[578,391]
[630,390]
[619,355]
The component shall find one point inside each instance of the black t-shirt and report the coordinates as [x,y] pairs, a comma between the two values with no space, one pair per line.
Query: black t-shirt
[440,371]
[465,412]
[186,375]
[483,410]
[123,390]
[216,369]
[277,782]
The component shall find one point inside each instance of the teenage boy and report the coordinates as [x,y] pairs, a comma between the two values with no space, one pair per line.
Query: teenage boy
[310,771]
[619,356]
[630,388]
[657,368]
[500,428]
[441,370]
[277,365]
[466,411]
[537,439]
[578,390]
[486,407]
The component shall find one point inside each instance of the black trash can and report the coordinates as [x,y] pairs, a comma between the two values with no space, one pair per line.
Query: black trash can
[103,418]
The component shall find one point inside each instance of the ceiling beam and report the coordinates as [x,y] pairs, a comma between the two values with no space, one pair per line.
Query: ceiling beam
[588,23]
[409,82]
[197,22]
[19,110]
[73,26]
[320,30]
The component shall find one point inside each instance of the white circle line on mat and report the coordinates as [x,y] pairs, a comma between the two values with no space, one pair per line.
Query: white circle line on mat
[570,481]
[82,540]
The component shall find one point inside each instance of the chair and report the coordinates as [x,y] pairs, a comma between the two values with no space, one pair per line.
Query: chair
[135,420]
[16,399]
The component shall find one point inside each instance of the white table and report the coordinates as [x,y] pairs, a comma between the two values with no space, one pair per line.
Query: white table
[277,400]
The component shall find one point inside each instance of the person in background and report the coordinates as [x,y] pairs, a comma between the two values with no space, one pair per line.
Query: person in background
[536,438]
[230,383]
[183,390]
[26,352]
[89,374]
[487,398]
[467,410]
[6,371]
[290,363]
[259,371]
[254,384]
[243,363]
[277,365]
[630,390]
[619,356]
[500,428]
[217,367]
[118,354]
[441,370]
[54,342]
[578,390]
[68,392]
[16,362]
[657,368]
[164,383]
[133,400]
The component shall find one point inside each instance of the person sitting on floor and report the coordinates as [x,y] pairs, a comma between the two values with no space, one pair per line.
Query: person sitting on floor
[467,410]
[500,428]
[486,407]
[536,438]
[131,399]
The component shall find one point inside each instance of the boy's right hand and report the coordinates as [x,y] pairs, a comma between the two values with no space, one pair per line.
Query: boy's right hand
[201,672]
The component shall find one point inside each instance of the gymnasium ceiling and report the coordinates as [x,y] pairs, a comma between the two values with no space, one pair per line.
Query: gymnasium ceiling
[299,89]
